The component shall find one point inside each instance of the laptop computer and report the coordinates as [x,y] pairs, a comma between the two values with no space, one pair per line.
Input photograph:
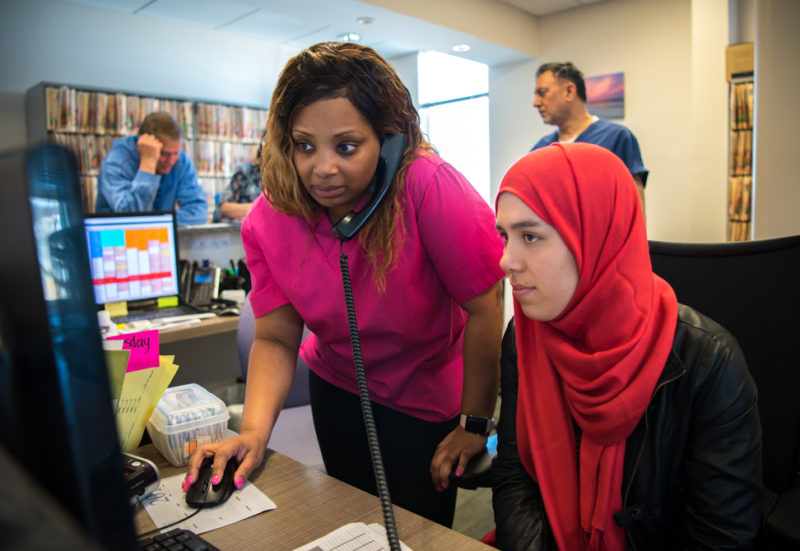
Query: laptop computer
[134,259]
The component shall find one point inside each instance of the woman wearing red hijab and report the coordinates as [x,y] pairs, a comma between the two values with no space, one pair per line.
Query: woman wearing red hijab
[628,421]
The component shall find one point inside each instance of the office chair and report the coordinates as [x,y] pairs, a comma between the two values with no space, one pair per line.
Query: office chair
[298,393]
[751,288]
[293,434]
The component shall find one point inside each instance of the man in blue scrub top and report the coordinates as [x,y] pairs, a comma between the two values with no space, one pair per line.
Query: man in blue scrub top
[561,101]
[150,172]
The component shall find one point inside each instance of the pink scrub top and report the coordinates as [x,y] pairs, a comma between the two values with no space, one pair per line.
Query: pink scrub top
[411,335]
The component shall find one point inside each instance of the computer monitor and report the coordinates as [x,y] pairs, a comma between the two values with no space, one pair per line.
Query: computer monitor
[56,416]
[133,256]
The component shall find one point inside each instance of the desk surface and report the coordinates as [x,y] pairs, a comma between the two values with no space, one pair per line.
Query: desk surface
[310,504]
[207,327]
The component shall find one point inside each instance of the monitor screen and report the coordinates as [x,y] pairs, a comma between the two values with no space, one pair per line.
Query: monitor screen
[56,417]
[132,256]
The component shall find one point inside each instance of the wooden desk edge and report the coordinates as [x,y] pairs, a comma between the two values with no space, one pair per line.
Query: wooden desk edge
[310,504]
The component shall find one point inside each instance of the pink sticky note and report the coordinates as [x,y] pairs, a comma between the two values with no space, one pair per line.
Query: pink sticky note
[144,349]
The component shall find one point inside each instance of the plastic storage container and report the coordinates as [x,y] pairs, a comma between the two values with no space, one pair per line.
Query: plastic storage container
[186,417]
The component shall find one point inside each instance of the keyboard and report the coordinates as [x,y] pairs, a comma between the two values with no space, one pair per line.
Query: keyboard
[139,315]
[176,540]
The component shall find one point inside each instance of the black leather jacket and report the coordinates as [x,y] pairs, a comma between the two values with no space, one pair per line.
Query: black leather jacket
[692,474]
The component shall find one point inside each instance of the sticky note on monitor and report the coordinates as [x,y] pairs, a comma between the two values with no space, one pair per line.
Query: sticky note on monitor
[167,302]
[116,309]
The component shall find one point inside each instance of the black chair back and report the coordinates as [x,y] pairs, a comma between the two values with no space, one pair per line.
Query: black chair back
[245,334]
[752,289]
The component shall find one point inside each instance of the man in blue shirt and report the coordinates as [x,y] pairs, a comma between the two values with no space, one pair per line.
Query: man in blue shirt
[150,172]
[561,101]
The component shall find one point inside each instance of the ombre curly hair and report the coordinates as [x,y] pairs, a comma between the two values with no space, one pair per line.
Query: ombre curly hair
[342,70]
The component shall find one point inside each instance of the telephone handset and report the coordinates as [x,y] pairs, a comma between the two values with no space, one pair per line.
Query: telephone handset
[199,285]
[391,153]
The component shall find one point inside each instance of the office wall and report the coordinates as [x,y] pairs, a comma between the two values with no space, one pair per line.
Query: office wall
[671,51]
[672,54]
[497,22]
[12,120]
[742,21]
[44,40]
[406,67]
[777,181]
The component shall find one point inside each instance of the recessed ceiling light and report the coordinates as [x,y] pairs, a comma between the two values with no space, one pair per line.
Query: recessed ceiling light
[461,48]
[349,37]
[365,20]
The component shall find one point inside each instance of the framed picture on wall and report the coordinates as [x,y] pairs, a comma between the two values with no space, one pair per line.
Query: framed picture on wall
[605,96]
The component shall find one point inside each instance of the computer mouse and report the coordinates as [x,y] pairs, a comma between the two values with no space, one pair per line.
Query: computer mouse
[203,494]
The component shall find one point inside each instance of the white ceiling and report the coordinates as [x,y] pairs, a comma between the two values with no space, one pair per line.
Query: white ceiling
[544,7]
[306,22]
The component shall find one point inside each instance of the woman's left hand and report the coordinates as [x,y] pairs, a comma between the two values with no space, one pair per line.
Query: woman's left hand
[457,448]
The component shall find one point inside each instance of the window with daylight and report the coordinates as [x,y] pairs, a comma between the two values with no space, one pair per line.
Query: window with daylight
[454,113]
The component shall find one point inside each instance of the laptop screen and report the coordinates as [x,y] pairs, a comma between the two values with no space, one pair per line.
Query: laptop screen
[133,256]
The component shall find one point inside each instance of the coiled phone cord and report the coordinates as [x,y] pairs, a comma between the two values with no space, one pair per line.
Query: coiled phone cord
[366,408]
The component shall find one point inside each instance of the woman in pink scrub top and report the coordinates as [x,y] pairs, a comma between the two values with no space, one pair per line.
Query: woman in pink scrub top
[426,286]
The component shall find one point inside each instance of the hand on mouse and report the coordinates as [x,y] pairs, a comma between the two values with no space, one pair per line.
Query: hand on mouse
[248,449]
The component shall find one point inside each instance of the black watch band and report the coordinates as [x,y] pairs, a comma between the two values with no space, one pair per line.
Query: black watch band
[476,424]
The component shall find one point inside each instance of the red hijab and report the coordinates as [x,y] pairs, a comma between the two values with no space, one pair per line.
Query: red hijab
[598,362]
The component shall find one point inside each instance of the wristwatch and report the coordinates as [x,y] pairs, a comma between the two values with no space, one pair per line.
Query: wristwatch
[476,424]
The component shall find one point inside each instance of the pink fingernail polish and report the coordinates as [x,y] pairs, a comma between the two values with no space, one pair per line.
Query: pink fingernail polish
[458,473]
[444,485]
[215,480]
[189,480]
[239,482]
[438,489]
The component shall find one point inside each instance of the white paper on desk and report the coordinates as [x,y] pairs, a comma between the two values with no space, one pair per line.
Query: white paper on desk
[168,504]
[351,537]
